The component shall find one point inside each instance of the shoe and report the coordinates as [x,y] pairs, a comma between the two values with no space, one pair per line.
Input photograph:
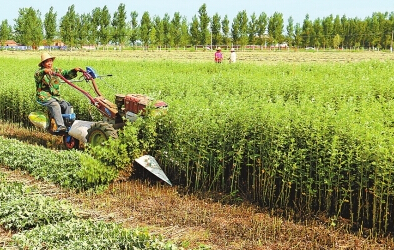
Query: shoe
[61,129]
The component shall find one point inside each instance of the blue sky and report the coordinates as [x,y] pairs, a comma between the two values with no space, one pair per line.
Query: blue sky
[188,8]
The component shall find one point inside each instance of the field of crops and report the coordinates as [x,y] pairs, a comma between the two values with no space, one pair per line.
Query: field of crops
[42,222]
[304,132]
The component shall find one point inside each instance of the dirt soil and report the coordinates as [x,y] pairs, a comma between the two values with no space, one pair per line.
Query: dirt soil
[211,222]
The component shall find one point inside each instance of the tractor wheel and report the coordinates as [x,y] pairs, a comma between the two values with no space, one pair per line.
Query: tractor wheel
[70,142]
[100,132]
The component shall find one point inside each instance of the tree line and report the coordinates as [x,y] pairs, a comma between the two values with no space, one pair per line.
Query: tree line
[100,28]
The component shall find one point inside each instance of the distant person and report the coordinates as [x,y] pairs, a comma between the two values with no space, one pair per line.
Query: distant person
[48,89]
[218,55]
[233,56]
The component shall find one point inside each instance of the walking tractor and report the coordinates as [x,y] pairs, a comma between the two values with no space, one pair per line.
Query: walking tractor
[127,107]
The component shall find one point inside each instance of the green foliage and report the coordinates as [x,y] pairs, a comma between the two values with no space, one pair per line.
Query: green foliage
[316,136]
[135,139]
[129,136]
[22,208]
[145,28]
[113,153]
[50,26]
[204,21]
[88,234]
[5,32]
[92,174]
[45,223]
[119,25]
[98,27]
[68,24]
[28,27]
[70,169]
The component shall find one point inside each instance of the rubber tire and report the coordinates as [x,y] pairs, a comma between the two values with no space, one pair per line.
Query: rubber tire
[73,143]
[100,132]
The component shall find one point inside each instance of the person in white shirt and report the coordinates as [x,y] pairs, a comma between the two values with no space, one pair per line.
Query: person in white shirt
[233,56]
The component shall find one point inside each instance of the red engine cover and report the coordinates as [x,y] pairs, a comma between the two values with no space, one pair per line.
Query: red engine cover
[135,103]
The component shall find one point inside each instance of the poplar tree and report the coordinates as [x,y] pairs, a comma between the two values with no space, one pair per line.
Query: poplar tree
[85,36]
[235,31]
[5,32]
[252,29]
[133,27]
[317,35]
[346,31]
[50,26]
[243,27]
[262,23]
[306,31]
[298,35]
[119,25]
[105,26]
[176,31]
[159,31]
[215,29]
[290,31]
[96,15]
[185,38]
[328,27]
[275,28]
[226,31]
[194,31]
[337,32]
[203,25]
[152,37]
[386,29]
[28,27]
[168,39]
[68,27]
[145,28]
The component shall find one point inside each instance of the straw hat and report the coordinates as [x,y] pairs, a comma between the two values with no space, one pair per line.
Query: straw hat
[218,48]
[45,56]
[232,49]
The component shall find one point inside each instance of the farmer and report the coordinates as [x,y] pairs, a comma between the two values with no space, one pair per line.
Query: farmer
[218,55]
[233,56]
[48,89]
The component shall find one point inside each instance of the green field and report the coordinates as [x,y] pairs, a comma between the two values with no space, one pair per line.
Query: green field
[304,132]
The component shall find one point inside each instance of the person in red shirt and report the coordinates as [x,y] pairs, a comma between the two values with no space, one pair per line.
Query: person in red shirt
[218,55]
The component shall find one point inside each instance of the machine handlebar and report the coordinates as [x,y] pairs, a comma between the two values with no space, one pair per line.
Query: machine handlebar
[88,75]
[103,105]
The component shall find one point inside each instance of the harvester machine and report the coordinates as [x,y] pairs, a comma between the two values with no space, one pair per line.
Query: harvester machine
[127,107]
